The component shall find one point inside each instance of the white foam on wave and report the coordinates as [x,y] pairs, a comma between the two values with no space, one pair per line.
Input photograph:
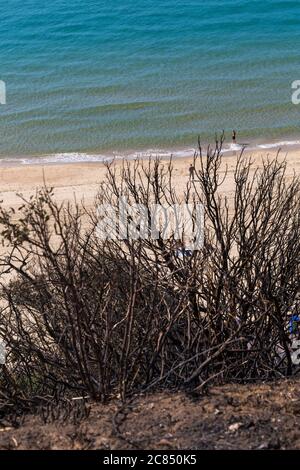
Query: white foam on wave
[156,153]
[266,146]
[59,158]
[77,157]
[63,158]
[234,148]
[285,143]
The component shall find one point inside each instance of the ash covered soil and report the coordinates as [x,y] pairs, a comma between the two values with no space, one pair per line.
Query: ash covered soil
[258,416]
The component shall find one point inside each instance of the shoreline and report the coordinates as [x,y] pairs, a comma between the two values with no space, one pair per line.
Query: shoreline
[72,158]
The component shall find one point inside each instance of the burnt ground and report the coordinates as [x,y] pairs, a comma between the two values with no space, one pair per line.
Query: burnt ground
[263,416]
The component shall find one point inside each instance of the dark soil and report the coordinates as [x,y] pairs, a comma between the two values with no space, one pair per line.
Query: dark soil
[264,416]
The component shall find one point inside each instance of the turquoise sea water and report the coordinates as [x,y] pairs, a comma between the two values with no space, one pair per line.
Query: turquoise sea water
[88,78]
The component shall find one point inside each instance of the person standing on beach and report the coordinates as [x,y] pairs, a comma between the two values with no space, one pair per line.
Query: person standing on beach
[234,136]
[192,171]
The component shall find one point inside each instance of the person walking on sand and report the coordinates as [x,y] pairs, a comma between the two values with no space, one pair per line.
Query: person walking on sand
[234,136]
[192,171]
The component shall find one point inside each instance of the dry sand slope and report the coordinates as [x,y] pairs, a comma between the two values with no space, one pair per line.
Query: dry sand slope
[257,416]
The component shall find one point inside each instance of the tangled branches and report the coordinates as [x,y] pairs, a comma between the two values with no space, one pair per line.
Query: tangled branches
[87,315]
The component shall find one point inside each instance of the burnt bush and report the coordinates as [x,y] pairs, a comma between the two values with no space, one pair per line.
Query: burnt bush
[84,315]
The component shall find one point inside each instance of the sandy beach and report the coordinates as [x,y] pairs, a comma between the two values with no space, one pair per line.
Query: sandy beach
[80,181]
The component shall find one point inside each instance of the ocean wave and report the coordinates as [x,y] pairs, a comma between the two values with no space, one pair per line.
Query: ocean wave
[62,158]
[81,157]
[76,157]
[285,143]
